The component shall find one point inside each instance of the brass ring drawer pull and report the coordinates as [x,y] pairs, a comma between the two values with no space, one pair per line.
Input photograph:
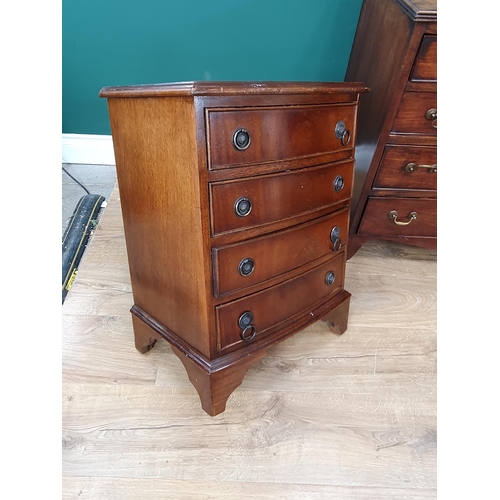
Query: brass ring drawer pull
[342,133]
[245,323]
[393,215]
[432,115]
[335,238]
[246,336]
[346,137]
[411,167]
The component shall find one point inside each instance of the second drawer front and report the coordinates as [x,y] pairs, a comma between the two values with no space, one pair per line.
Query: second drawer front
[414,114]
[271,198]
[279,303]
[276,134]
[254,261]
[376,219]
[408,167]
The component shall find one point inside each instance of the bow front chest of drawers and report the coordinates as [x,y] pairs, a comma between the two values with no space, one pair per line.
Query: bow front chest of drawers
[235,201]
[395,54]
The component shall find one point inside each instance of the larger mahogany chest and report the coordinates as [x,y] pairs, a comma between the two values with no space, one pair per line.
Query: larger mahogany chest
[235,201]
[395,54]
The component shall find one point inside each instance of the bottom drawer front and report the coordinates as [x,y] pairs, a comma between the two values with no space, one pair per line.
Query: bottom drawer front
[400,217]
[277,304]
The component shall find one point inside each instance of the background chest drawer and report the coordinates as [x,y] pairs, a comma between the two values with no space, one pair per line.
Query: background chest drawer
[258,135]
[269,198]
[415,114]
[273,306]
[254,261]
[425,67]
[393,216]
[408,167]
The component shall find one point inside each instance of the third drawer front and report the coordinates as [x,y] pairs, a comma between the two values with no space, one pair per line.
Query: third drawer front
[408,167]
[400,217]
[262,313]
[254,261]
[266,199]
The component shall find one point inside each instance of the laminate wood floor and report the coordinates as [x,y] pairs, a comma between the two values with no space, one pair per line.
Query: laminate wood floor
[320,417]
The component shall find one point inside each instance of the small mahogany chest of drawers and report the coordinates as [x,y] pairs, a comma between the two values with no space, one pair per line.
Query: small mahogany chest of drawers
[395,54]
[235,201]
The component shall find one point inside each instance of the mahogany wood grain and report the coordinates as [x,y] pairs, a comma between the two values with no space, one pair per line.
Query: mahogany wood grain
[376,220]
[296,132]
[277,253]
[157,180]
[278,196]
[411,115]
[392,172]
[277,304]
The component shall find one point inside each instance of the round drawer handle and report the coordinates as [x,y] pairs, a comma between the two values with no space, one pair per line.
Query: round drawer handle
[335,238]
[246,267]
[245,320]
[432,115]
[242,207]
[241,139]
[330,278]
[339,129]
[248,337]
[393,215]
[412,167]
[338,183]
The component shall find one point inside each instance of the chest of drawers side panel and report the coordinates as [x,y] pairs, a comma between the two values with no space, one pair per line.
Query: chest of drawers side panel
[158,178]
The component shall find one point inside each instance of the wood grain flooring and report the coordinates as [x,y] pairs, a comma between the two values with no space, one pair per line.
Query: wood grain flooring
[320,417]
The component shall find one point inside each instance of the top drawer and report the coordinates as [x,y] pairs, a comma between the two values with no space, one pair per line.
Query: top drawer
[425,67]
[243,136]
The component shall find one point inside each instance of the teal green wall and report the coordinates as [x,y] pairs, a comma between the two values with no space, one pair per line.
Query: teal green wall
[126,42]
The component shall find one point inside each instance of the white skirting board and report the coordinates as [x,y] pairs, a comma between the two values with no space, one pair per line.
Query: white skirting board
[87,149]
